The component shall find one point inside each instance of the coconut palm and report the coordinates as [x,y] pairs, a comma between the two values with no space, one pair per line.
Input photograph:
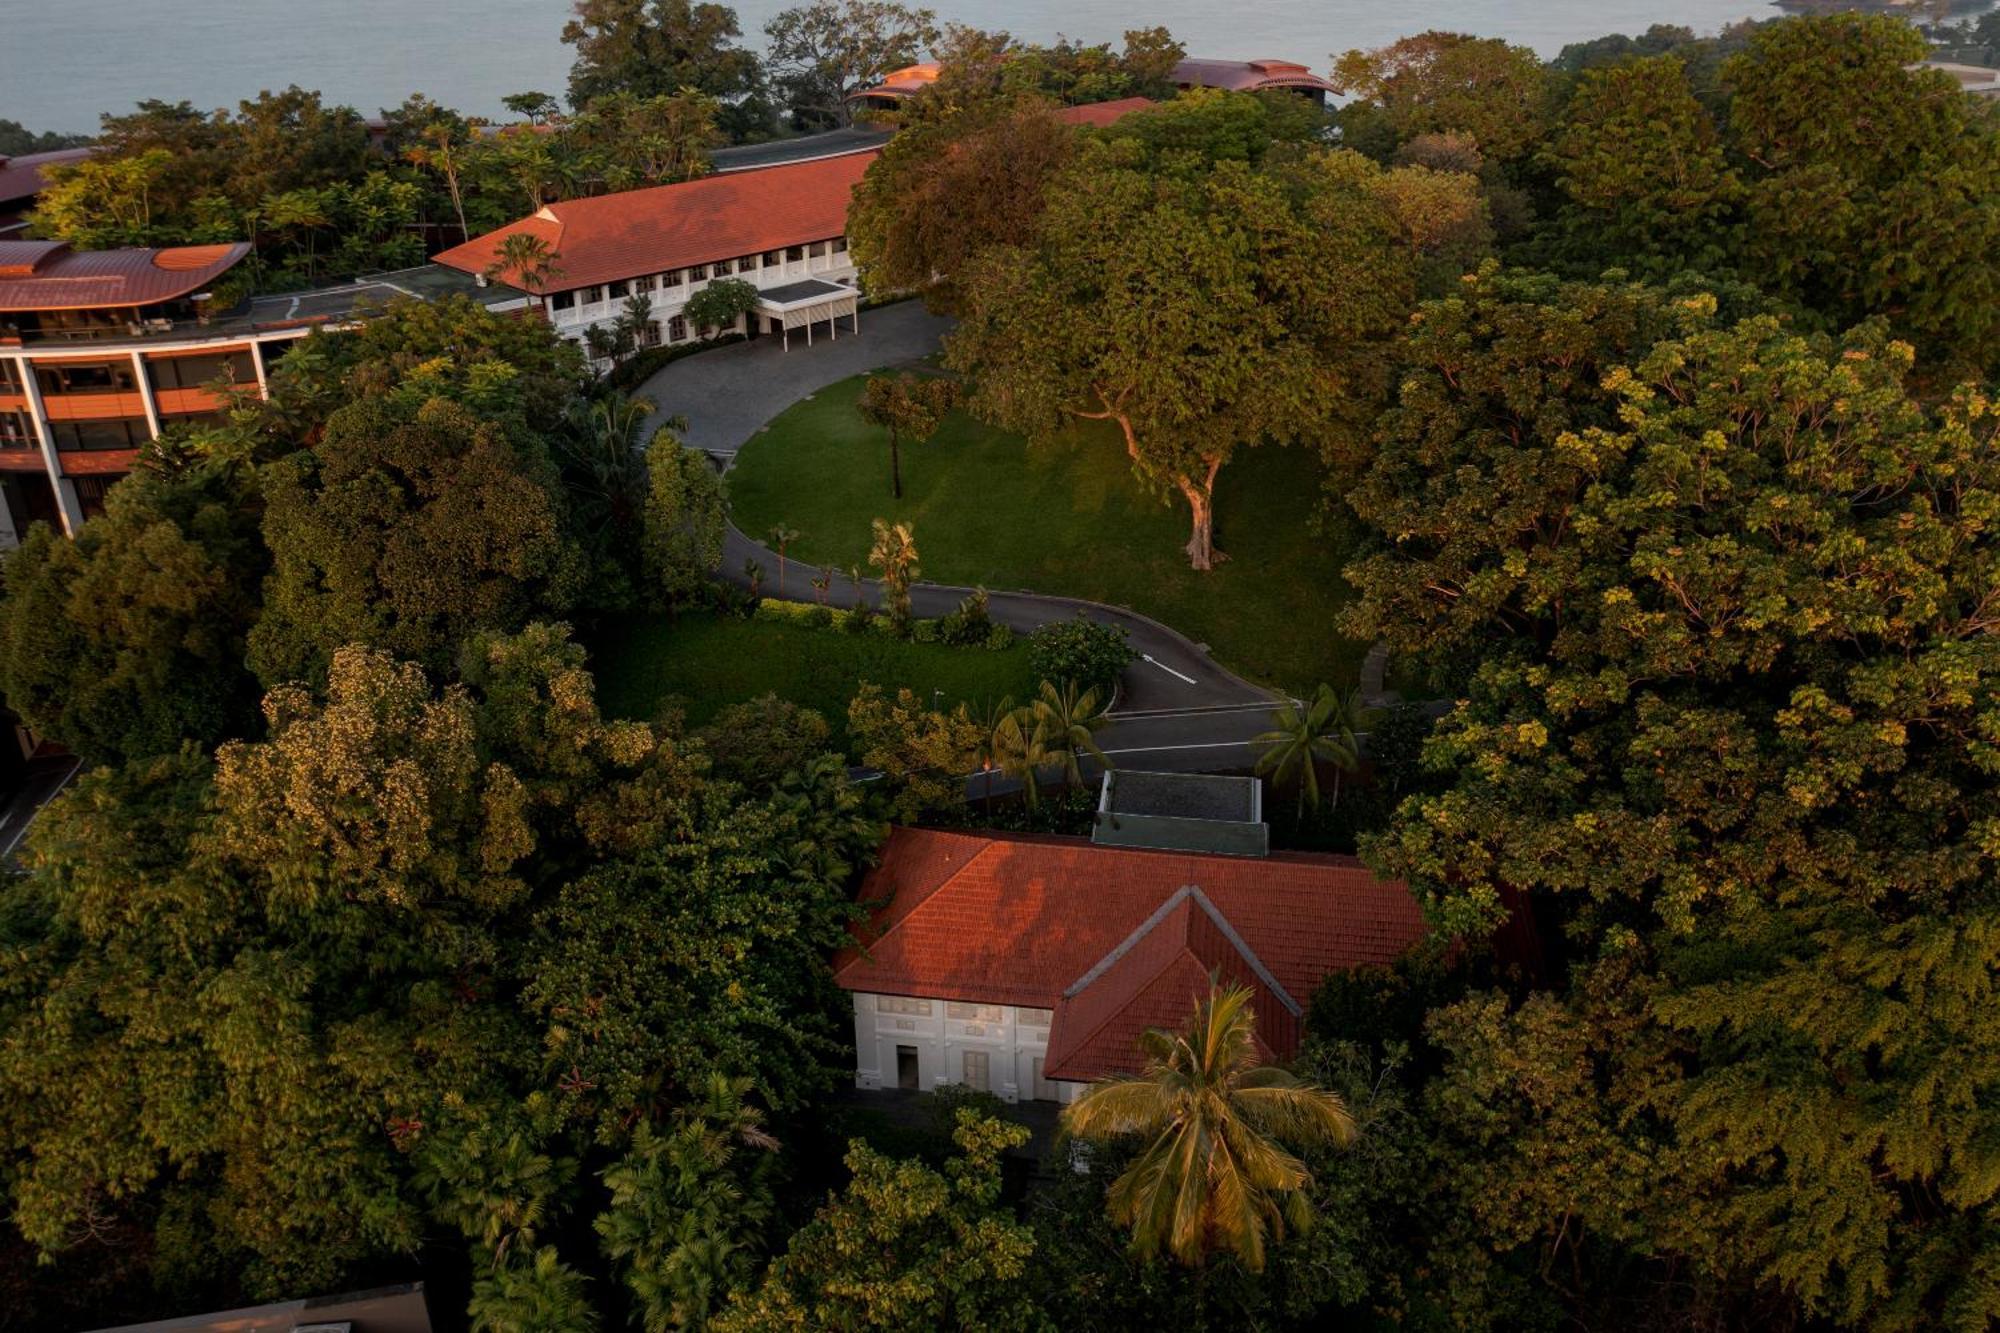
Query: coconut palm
[1020,751]
[439,152]
[605,462]
[999,727]
[529,259]
[1301,736]
[1215,1175]
[1067,721]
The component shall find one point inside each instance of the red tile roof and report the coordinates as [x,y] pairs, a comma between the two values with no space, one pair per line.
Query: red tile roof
[47,275]
[666,227]
[1116,939]
[723,216]
[21,177]
[1248,75]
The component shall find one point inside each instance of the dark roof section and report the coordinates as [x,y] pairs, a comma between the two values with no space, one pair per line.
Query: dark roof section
[398,1309]
[47,275]
[833,143]
[1248,76]
[21,177]
[1191,812]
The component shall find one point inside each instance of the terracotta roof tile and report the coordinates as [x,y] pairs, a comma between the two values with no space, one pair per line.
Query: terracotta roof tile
[1022,920]
[613,236]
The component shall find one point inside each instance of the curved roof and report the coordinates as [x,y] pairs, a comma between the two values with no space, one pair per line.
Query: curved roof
[21,177]
[48,275]
[1248,76]
[1115,939]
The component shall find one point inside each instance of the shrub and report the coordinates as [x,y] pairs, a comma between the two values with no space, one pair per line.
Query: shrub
[1080,650]
[819,617]
[999,638]
[860,620]
[969,623]
[924,631]
[640,367]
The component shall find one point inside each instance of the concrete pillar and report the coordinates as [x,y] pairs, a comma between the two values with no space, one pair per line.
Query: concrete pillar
[66,502]
[146,392]
[257,362]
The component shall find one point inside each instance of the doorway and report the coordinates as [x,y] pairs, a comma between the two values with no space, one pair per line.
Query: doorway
[906,1069]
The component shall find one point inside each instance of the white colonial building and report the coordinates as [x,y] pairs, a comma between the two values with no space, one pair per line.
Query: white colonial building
[1029,966]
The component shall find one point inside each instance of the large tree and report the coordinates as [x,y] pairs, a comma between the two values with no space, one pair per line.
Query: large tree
[129,639]
[948,187]
[1451,83]
[905,1247]
[822,51]
[1732,732]
[1869,181]
[1199,306]
[409,527]
[656,48]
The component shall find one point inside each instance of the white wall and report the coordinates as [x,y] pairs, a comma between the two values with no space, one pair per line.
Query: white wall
[831,266]
[1011,1039]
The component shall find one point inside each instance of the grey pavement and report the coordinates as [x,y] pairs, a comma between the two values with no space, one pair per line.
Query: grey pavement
[731,393]
[1177,708]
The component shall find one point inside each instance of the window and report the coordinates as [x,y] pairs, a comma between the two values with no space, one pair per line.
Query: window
[839,244]
[722,268]
[16,431]
[747,264]
[194,372]
[671,278]
[650,335]
[896,1004]
[9,381]
[817,249]
[699,273]
[88,377]
[1034,1018]
[99,434]
[773,258]
[620,290]
[973,1013]
[978,1069]
[644,284]
[562,301]
[795,253]
[677,329]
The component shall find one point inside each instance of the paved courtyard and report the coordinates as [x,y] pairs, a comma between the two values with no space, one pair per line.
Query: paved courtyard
[729,394]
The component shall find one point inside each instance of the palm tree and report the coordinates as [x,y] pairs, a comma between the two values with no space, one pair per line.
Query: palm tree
[529,259]
[894,552]
[439,152]
[1216,1175]
[1021,752]
[606,461]
[1066,722]
[781,537]
[1302,736]
[821,582]
[998,725]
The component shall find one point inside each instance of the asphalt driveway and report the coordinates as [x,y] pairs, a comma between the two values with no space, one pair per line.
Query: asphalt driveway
[728,395]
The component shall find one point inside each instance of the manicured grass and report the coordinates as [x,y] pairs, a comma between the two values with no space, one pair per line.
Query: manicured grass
[1067,518]
[710,661]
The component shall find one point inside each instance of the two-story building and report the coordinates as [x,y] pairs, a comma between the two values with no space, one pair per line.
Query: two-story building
[780,226]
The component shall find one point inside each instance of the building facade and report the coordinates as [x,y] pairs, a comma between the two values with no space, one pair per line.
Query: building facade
[1029,966]
[100,351]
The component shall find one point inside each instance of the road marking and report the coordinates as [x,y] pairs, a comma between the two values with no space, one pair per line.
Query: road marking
[1169,670]
[1195,711]
[1162,749]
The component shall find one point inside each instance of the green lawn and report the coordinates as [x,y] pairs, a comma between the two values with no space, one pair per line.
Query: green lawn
[1068,518]
[709,662]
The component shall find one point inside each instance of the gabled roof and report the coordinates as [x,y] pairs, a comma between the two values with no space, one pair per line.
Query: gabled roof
[723,216]
[1115,939]
[47,275]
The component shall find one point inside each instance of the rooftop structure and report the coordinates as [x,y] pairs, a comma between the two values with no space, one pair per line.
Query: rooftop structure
[400,1309]
[1191,812]
[1251,76]
[1977,80]
[896,85]
[50,276]
[24,177]
[1044,958]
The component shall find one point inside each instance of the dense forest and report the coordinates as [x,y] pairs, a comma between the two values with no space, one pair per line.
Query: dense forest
[1653,386]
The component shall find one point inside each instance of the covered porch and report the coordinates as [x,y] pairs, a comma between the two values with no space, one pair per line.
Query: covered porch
[803,304]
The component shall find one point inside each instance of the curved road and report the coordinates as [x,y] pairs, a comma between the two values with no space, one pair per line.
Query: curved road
[1177,708]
